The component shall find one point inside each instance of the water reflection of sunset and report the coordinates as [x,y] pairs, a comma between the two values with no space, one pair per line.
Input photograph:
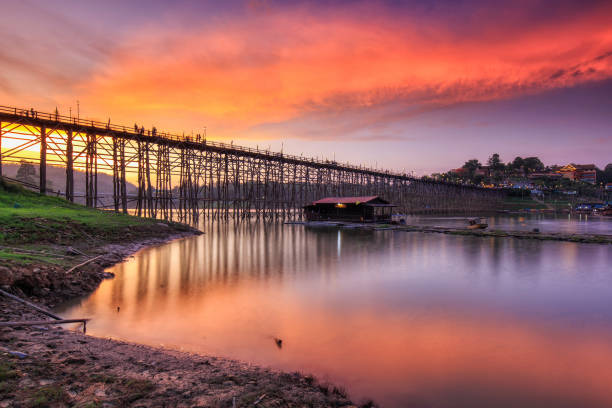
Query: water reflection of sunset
[429,331]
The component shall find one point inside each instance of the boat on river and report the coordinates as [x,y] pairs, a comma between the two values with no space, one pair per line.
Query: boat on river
[477,223]
[607,211]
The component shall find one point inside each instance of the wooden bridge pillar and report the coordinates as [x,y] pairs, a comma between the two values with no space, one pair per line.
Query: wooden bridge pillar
[43,160]
[91,171]
[115,175]
[95,168]
[141,188]
[123,185]
[148,177]
[69,167]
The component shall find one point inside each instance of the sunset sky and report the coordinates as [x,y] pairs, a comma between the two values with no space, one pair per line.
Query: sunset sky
[411,86]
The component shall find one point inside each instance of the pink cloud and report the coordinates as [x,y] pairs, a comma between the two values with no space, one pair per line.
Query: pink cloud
[281,65]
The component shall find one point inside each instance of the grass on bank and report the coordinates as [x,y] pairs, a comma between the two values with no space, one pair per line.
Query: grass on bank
[28,218]
[527,203]
[519,203]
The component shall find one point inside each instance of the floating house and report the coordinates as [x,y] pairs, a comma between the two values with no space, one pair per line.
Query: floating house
[354,209]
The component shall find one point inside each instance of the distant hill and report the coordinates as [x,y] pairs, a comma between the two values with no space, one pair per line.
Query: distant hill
[56,180]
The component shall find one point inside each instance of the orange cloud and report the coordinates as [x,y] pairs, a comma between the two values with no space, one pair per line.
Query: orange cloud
[282,65]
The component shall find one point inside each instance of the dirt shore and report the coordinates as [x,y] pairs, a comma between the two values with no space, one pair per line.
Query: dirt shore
[47,366]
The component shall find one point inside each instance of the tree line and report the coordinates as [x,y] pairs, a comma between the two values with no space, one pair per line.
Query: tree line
[519,168]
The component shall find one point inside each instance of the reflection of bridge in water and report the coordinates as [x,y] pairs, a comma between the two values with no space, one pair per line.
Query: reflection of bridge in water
[188,176]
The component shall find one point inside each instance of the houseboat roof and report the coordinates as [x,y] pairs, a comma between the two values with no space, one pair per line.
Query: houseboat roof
[371,200]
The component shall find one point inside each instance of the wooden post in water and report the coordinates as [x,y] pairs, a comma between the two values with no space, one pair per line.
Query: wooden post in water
[149,187]
[123,186]
[95,169]
[87,178]
[115,175]
[91,178]
[43,160]
[139,201]
[69,167]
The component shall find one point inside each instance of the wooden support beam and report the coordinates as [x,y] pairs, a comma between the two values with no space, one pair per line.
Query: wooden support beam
[43,322]
[69,167]
[43,160]
[123,184]
[148,177]
[115,175]
[46,323]
[95,170]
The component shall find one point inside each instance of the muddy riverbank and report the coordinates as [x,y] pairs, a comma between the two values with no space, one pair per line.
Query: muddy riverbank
[44,366]
[80,268]
[60,367]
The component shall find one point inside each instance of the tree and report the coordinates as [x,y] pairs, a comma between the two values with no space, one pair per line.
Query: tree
[471,166]
[531,164]
[495,163]
[27,173]
[517,163]
[608,173]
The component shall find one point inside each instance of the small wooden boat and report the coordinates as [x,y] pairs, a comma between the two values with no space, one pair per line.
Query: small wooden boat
[477,223]
[606,211]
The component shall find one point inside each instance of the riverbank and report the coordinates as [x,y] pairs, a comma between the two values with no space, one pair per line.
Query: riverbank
[537,235]
[67,368]
[52,251]
[580,238]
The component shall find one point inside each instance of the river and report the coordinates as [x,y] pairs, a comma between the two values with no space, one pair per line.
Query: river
[407,319]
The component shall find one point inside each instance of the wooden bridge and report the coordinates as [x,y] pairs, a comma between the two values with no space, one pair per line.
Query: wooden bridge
[185,177]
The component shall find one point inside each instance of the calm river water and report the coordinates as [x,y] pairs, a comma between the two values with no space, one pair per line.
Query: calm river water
[407,319]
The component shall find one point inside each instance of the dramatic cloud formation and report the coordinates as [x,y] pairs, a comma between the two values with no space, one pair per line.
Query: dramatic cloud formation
[260,70]
[283,64]
[44,52]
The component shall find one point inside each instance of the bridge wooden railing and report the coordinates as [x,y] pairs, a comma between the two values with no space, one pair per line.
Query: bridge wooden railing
[90,123]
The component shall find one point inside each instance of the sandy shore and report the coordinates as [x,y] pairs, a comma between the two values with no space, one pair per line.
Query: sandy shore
[62,367]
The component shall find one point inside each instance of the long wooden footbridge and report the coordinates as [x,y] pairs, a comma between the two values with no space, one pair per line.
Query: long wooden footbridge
[187,176]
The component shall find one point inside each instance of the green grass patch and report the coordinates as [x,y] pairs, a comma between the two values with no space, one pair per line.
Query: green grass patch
[7,371]
[137,389]
[559,204]
[41,215]
[519,203]
[9,379]
[103,378]
[26,259]
[27,217]
[45,396]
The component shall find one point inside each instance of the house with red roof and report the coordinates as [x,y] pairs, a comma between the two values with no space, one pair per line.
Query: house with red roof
[352,209]
[579,172]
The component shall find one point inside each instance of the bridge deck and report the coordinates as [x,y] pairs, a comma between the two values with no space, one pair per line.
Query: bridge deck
[65,123]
